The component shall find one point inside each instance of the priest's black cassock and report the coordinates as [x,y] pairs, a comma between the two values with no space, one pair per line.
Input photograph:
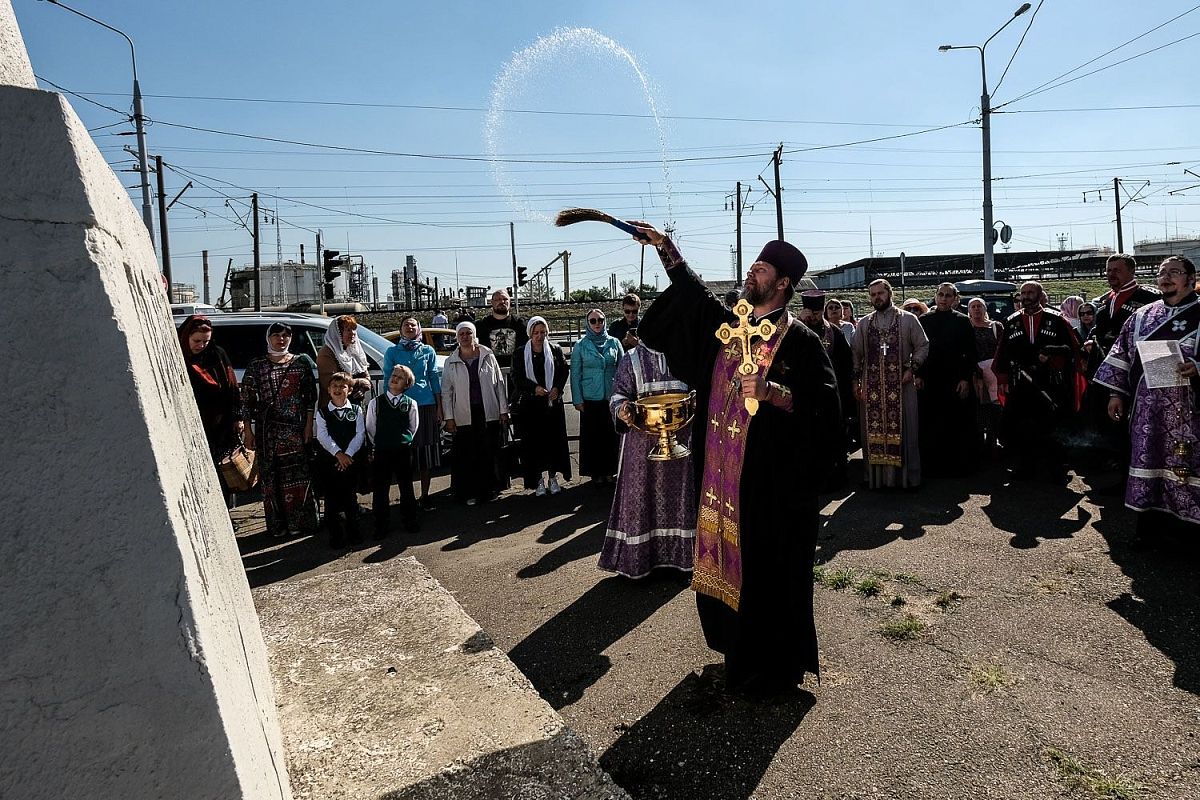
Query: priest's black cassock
[947,420]
[770,637]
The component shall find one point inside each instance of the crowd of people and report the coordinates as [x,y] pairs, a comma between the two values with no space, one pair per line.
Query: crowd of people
[924,393]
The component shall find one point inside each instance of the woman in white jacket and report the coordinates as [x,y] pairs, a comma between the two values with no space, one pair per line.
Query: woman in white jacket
[475,406]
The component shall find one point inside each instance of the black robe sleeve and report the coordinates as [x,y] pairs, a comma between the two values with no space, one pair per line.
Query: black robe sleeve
[681,324]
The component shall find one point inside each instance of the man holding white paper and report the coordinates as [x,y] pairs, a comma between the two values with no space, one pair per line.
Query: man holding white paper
[1152,374]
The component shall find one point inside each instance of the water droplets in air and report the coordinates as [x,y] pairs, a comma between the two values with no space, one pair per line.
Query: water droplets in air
[613,116]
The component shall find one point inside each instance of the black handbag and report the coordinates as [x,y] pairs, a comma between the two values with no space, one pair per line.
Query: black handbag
[510,453]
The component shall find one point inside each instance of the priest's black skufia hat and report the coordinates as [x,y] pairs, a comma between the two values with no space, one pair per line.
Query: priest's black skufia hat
[813,300]
[785,258]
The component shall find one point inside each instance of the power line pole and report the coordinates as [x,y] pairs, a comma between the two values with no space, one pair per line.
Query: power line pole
[737,199]
[642,271]
[204,258]
[319,258]
[1117,199]
[257,262]
[566,256]
[165,250]
[778,192]
[512,240]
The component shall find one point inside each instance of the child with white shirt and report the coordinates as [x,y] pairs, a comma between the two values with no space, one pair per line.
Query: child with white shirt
[341,432]
[392,420]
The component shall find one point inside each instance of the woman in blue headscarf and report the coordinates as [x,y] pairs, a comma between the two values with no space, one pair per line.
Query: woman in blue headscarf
[593,367]
[426,392]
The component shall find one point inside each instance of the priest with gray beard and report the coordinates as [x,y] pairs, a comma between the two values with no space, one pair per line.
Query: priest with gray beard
[889,348]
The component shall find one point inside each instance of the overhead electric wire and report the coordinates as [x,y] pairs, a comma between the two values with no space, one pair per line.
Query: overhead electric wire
[1047,84]
[1032,17]
[125,114]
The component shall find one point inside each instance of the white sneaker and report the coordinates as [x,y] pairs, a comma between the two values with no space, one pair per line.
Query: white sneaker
[540,491]
[554,487]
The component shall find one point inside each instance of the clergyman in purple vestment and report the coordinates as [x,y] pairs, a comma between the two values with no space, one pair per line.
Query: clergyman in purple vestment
[1164,470]
[653,519]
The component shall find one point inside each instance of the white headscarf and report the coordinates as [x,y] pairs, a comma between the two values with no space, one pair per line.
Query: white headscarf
[351,359]
[549,377]
[469,326]
[277,327]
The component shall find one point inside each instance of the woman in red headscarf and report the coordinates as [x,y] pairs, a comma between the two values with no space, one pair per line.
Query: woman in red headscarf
[214,386]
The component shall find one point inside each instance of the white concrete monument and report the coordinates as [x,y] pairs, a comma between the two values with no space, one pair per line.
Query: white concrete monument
[131,661]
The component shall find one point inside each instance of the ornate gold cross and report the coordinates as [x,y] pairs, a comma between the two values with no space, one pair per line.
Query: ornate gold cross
[710,497]
[743,331]
[734,429]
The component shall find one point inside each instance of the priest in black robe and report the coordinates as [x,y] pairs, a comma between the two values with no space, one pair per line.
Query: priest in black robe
[945,388]
[812,314]
[757,475]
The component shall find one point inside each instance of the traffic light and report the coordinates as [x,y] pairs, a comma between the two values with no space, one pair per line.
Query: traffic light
[522,278]
[331,265]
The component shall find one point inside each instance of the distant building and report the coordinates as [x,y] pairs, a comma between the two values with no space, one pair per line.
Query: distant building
[183,293]
[1155,250]
[282,285]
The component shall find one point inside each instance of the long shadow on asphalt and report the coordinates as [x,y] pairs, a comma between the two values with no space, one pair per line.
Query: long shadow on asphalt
[1032,511]
[582,545]
[872,518]
[701,744]
[1163,601]
[565,656]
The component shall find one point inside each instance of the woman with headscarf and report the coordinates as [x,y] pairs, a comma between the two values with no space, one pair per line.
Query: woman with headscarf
[593,367]
[987,339]
[214,386]
[342,352]
[914,306]
[539,374]
[280,395]
[475,407]
[1069,308]
[426,392]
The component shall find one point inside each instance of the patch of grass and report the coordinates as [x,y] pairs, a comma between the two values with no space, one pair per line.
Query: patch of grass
[907,627]
[947,599]
[906,579]
[838,579]
[897,601]
[1097,783]
[869,586]
[990,677]
[819,574]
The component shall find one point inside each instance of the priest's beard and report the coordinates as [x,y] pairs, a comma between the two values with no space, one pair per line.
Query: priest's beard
[757,296]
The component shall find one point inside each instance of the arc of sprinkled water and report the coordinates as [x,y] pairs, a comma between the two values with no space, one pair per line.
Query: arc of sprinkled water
[519,68]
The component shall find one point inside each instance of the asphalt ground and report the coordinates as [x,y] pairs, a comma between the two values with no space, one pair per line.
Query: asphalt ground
[980,638]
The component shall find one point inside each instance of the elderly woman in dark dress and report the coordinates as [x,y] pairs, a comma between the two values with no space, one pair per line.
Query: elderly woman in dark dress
[539,374]
[214,386]
[280,394]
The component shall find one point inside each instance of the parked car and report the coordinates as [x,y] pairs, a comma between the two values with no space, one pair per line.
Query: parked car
[998,295]
[243,336]
[179,310]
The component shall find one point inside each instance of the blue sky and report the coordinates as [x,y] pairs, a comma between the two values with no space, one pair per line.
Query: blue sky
[732,81]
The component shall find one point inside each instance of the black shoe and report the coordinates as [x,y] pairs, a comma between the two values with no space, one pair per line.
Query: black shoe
[426,503]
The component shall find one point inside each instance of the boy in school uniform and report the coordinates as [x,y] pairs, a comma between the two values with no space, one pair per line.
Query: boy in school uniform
[341,432]
[392,420]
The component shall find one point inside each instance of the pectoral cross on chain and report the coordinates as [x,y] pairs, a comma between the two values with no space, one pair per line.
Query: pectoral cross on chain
[883,348]
[742,332]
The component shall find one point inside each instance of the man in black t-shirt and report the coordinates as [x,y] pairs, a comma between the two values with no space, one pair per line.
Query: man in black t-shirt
[503,332]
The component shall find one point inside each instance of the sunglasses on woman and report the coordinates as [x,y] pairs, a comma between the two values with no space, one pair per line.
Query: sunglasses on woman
[595,320]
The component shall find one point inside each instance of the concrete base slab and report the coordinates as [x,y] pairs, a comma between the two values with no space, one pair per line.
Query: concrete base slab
[387,689]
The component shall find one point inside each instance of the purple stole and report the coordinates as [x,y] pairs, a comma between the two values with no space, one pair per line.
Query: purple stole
[1175,327]
[718,562]
[883,404]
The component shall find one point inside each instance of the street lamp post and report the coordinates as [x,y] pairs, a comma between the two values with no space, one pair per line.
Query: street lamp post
[985,110]
[138,119]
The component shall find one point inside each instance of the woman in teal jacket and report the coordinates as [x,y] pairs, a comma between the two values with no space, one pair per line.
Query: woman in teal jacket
[593,366]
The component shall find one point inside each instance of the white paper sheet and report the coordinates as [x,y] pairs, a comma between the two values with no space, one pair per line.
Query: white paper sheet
[1160,361]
